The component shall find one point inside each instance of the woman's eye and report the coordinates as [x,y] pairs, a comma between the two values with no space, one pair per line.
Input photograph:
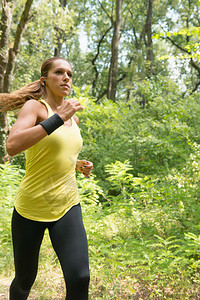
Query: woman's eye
[60,72]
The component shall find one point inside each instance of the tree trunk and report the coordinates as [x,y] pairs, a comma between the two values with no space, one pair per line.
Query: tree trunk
[8,58]
[149,38]
[113,72]
[57,49]
[13,52]
[6,17]
[60,34]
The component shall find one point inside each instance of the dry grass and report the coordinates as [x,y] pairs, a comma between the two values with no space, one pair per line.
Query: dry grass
[50,286]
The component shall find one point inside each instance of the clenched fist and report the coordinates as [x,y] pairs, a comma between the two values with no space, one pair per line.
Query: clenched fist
[68,108]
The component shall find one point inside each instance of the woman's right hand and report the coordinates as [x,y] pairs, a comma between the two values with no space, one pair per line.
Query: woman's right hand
[68,108]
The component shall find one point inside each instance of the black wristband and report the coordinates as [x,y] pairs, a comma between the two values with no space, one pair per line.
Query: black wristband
[52,123]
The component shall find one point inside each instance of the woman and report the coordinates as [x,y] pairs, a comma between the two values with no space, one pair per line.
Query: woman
[48,197]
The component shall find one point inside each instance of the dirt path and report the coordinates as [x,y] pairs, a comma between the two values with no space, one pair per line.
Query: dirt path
[4,288]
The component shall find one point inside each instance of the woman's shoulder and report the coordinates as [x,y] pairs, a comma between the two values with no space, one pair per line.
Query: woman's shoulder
[34,107]
[32,103]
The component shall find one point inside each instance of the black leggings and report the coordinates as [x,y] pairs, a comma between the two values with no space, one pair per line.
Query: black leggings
[69,241]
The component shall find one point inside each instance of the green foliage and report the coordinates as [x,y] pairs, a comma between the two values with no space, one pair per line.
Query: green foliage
[89,191]
[153,139]
[10,177]
[191,49]
[118,174]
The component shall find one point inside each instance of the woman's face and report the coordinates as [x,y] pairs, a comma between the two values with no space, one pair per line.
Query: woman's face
[59,79]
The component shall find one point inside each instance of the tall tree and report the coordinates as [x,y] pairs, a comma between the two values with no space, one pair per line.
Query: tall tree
[6,16]
[60,34]
[8,56]
[113,70]
[149,38]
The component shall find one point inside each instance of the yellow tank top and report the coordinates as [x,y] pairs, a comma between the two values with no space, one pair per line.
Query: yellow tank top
[48,189]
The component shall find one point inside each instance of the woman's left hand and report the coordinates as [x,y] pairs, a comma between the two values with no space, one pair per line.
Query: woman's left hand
[85,167]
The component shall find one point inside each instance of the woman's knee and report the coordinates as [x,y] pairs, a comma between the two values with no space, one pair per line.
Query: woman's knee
[78,286]
[80,278]
[84,278]
[20,289]
[26,285]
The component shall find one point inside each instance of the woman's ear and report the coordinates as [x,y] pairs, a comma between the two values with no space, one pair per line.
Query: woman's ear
[43,81]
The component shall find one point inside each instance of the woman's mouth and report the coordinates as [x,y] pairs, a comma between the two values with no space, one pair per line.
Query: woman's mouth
[65,86]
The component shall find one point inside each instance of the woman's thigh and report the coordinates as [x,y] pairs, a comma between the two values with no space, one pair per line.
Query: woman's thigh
[69,240]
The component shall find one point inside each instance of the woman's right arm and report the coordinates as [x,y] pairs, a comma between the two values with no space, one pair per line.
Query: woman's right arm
[25,133]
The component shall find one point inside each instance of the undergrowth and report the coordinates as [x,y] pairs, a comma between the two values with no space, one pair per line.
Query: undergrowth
[143,241]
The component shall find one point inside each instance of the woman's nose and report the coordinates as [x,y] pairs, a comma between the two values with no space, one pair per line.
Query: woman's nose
[66,76]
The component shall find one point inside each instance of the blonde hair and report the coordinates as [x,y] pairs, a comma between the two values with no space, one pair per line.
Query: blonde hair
[35,90]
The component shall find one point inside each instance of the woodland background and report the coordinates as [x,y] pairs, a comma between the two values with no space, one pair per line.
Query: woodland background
[136,70]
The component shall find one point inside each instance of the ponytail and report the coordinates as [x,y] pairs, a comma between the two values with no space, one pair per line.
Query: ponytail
[15,100]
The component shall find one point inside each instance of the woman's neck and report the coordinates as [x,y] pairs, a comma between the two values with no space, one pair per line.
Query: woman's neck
[54,102]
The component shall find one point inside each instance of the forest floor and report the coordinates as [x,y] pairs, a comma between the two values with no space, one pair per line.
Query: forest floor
[52,288]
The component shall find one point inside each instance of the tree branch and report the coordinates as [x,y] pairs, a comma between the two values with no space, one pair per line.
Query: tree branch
[195,88]
[100,42]
[175,44]
[96,56]
[102,95]
[110,17]
[192,62]
[195,65]
[125,19]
